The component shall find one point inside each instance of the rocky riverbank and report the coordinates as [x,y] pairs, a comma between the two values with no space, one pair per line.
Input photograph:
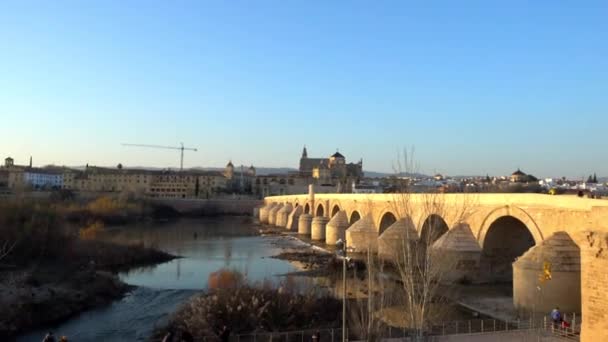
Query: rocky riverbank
[50,270]
[310,259]
[44,294]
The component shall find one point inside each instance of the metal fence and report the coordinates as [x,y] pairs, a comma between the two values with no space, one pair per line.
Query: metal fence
[495,325]
[327,334]
[541,325]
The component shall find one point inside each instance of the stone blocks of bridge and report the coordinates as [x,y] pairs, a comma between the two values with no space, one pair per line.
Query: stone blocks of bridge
[265,211]
[304,224]
[272,214]
[318,225]
[391,242]
[563,257]
[458,253]
[292,219]
[336,228]
[594,284]
[362,236]
[283,215]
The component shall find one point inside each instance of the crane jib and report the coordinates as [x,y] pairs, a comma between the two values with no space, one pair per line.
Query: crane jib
[180,148]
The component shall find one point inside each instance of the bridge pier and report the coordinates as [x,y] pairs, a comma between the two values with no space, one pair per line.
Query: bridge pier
[264,212]
[272,214]
[318,228]
[563,257]
[292,220]
[362,236]
[283,215]
[594,284]
[304,224]
[336,228]
[391,242]
[459,254]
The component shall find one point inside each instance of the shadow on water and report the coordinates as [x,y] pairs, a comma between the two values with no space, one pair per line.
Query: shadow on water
[206,245]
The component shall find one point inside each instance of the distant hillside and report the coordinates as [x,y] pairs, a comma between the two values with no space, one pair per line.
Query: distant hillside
[374,174]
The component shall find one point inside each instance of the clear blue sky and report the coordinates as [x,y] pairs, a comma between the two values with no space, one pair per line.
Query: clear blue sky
[478,87]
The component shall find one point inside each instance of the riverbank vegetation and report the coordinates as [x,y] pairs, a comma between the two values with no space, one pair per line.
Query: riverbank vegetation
[51,270]
[259,309]
[113,210]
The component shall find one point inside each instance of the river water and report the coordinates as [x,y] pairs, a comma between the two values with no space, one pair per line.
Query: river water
[207,245]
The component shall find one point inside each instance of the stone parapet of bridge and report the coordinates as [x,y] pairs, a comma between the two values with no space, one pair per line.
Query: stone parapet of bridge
[542,214]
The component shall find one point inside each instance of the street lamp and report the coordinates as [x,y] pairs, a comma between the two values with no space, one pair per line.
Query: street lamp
[342,250]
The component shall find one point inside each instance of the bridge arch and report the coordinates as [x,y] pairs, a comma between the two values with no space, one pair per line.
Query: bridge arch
[335,209]
[504,235]
[320,210]
[433,227]
[354,217]
[512,211]
[386,220]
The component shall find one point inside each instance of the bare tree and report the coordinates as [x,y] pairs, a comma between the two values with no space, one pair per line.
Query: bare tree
[422,270]
[6,249]
[410,277]
[372,295]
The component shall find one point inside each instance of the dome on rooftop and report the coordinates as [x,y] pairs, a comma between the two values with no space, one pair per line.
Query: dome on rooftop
[518,173]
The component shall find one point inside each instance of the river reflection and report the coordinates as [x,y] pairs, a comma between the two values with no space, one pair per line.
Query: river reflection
[206,245]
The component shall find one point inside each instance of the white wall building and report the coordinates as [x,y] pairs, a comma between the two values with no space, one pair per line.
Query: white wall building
[43,179]
[373,188]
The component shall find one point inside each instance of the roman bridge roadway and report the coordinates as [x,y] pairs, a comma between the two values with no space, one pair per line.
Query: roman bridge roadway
[493,237]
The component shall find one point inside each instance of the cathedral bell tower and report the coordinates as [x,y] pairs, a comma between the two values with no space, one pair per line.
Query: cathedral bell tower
[303,158]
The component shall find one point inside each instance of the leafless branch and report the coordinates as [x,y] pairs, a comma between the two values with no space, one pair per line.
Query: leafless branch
[6,249]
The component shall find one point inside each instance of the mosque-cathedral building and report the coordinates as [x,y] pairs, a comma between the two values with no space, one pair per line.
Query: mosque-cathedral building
[332,174]
[330,171]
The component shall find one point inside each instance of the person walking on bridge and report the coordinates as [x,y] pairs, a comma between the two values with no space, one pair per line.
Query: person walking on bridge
[556,316]
[558,319]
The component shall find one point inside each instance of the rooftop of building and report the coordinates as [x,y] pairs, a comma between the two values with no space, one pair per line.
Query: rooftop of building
[518,173]
[127,171]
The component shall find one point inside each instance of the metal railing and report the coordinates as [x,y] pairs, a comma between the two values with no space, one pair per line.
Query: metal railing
[572,331]
[329,334]
[304,335]
[541,325]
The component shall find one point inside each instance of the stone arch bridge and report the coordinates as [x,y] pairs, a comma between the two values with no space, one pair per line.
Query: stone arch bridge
[494,237]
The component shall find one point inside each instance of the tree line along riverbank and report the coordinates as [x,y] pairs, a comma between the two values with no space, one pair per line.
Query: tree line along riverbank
[53,267]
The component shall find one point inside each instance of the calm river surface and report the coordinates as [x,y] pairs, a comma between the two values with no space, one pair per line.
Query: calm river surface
[207,245]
